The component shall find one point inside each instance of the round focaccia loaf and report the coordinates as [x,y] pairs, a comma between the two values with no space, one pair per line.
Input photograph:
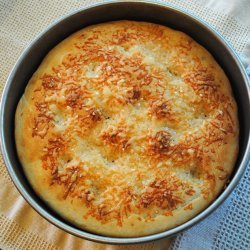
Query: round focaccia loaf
[127,128]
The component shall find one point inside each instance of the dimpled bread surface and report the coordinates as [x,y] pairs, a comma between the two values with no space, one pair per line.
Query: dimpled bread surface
[127,129]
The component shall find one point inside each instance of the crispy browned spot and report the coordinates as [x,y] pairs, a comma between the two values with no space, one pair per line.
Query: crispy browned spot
[159,143]
[161,194]
[161,109]
[116,137]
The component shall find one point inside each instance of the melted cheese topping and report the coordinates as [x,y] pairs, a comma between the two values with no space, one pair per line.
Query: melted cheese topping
[132,118]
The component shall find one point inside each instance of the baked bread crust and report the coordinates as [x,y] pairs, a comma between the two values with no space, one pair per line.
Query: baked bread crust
[127,128]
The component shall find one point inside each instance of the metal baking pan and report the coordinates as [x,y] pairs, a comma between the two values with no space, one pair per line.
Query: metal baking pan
[110,11]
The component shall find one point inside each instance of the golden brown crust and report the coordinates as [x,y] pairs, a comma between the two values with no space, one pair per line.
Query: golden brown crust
[127,128]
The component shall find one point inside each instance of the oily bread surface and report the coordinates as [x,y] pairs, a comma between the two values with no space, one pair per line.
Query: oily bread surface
[127,128]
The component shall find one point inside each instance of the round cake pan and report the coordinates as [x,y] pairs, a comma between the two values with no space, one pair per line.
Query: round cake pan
[104,12]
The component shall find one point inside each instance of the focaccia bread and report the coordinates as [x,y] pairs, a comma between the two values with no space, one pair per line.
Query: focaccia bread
[127,129]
